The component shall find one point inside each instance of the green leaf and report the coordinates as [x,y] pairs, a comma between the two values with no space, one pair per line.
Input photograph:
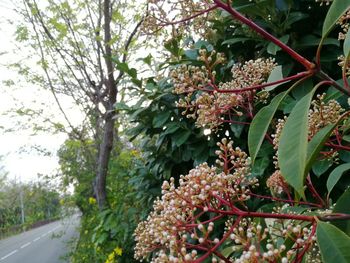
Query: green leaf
[333,94]
[237,129]
[301,91]
[335,175]
[337,9]
[181,137]
[321,166]
[287,104]
[316,144]
[273,48]
[148,59]
[260,166]
[161,118]
[124,67]
[295,17]
[292,150]
[171,128]
[311,40]
[276,74]
[260,124]
[227,251]
[346,46]
[344,156]
[203,44]
[121,106]
[333,243]
[191,54]
[236,40]
[342,206]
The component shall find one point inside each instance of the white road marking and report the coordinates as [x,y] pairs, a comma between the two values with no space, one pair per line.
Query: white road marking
[36,239]
[25,245]
[9,254]
[43,235]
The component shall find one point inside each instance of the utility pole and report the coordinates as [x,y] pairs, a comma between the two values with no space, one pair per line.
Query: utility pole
[22,204]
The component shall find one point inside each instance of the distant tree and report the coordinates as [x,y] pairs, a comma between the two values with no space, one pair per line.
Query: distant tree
[83,48]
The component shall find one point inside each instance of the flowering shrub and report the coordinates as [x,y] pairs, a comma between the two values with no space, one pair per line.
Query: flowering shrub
[183,225]
[226,213]
[210,103]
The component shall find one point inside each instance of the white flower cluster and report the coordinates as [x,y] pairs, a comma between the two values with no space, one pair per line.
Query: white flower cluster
[212,103]
[165,12]
[172,231]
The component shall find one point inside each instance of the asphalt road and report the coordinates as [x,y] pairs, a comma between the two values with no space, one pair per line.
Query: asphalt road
[45,244]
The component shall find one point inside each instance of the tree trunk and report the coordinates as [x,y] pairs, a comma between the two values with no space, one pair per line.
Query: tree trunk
[103,160]
[108,128]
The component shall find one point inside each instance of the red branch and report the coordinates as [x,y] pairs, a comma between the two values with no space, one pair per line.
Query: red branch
[227,7]
[168,23]
[261,86]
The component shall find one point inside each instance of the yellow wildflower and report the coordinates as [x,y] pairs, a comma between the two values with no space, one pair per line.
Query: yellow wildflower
[118,251]
[92,201]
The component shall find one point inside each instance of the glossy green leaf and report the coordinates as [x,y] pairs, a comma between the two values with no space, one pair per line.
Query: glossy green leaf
[226,252]
[181,137]
[337,9]
[260,124]
[273,48]
[321,166]
[334,244]
[275,75]
[171,128]
[295,17]
[346,46]
[344,156]
[235,40]
[301,91]
[292,151]
[336,175]
[192,54]
[311,40]
[316,144]
[260,166]
[342,206]
[161,118]
[262,119]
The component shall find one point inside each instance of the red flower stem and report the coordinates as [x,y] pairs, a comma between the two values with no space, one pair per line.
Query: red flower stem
[313,191]
[322,75]
[168,23]
[221,256]
[307,246]
[241,213]
[227,7]
[235,122]
[205,222]
[338,147]
[286,190]
[261,86]
[335,217]
[211,250]
[199,247]
[284,200]
[337,135]
[230,203]
[268,137]
[278,216]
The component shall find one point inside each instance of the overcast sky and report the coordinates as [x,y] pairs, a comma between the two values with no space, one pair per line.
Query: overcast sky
[17,141]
